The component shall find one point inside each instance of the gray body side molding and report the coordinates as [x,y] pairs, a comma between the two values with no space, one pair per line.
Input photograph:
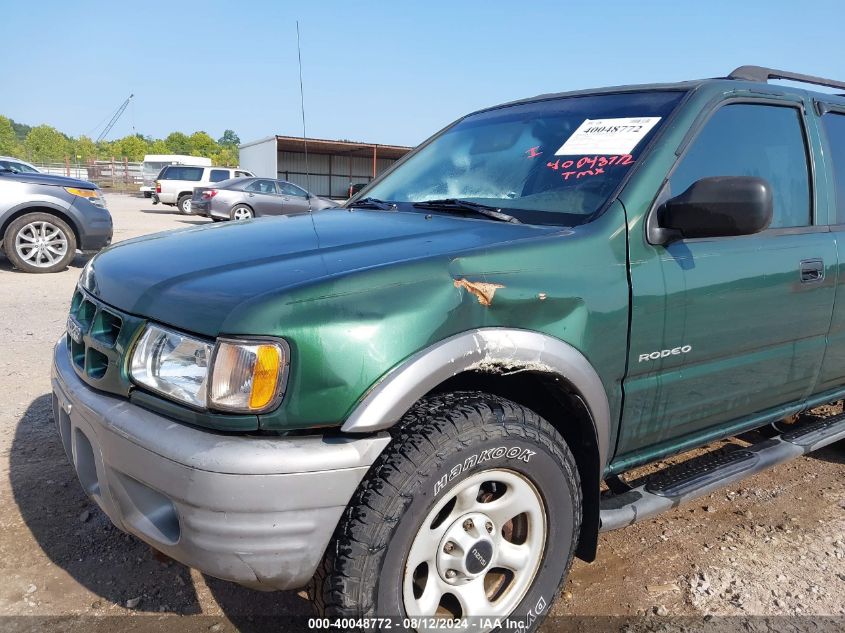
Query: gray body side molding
[485,348]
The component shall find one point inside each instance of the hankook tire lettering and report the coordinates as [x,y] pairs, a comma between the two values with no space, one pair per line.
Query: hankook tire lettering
[520,454]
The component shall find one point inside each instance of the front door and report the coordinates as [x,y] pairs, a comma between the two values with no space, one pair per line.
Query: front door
[294,199]
[262,197]
[722,328]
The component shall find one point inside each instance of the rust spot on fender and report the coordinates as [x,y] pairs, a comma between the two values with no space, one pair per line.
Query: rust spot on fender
[483,291]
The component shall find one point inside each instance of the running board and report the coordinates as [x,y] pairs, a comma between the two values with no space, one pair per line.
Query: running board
[682,482]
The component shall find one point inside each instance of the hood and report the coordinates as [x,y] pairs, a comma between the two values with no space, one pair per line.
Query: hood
[48,179]
[195,278]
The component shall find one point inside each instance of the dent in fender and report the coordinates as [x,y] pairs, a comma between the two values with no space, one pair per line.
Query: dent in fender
[485,348]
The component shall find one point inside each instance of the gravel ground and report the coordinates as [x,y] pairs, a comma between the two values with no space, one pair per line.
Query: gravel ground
[762,553]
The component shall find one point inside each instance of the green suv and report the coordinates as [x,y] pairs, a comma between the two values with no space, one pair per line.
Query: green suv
[414,403]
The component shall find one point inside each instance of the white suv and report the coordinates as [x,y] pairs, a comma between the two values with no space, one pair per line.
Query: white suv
[175,183]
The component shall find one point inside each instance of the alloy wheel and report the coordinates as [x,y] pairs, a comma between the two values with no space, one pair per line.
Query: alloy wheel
[41,244]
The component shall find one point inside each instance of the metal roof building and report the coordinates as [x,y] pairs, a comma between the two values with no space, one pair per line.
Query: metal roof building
[332,165]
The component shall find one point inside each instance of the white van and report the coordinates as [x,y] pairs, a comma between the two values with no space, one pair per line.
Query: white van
[154,163]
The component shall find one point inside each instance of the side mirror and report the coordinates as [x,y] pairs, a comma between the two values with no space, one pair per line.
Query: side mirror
[722,206]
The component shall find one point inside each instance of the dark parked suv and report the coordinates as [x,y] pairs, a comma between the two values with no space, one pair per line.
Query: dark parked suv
[45,219]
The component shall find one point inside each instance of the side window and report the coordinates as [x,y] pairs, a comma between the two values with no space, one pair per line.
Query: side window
[288,189]
[178,172]
[834,128]
[261,186]
[218,174]
[243,174]
[754,140]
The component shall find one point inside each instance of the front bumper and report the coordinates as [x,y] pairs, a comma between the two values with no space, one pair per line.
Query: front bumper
[96,228]
[258,511]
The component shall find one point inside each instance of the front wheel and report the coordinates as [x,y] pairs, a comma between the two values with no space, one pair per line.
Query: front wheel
[473,509]
[39,243]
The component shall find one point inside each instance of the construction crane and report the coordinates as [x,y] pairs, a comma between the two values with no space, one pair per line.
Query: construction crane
[114,118]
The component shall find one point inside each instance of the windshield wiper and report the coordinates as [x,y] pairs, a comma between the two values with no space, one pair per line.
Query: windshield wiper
[374,203]
[454,204]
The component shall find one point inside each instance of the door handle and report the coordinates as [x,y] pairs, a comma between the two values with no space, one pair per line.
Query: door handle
[812,270]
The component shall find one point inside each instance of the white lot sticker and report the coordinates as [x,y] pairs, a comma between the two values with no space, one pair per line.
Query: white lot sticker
[607,136]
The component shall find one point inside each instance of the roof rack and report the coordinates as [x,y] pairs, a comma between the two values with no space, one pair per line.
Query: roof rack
[761,74]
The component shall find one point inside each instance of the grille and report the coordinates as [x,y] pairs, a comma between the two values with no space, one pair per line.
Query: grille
[98,340]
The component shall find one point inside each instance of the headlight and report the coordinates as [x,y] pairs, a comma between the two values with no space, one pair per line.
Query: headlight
[172,364]
[94,196]
[232,375]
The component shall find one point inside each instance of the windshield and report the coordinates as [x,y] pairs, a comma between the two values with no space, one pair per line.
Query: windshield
[20,168]
[547,162]
[153,168]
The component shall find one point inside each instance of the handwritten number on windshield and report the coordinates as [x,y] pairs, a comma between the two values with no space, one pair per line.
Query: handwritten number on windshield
[588,165]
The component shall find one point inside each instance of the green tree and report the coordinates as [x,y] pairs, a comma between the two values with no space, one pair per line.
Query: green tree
[229,138]
[21,129]
[178,143]
[158,147]
[84,148]
[131,147]
[45,143]
[9,143]
[202,144]
[226,156]
[106,150]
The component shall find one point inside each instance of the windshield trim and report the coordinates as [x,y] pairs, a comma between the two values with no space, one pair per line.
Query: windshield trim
[686,90]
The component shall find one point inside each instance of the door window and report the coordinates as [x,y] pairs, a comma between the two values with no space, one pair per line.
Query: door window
[261,186]
[834,128]
[754,140]
[243,174]
[218,174]
[288,189]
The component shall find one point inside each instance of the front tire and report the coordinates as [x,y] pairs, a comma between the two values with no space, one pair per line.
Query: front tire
[474,509]
[39,243]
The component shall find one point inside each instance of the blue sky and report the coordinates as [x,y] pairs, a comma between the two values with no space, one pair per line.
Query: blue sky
[384,72]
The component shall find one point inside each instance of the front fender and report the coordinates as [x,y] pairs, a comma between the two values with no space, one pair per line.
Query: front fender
[480,349]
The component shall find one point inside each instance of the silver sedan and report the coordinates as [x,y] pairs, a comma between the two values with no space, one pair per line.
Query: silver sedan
[246,198]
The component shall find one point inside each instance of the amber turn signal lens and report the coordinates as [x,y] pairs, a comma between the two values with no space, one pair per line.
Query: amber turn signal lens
[265,376]
[246,375]
[82,193]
